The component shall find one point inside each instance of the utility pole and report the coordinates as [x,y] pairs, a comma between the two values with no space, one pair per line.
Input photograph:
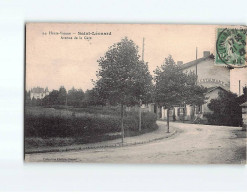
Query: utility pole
[143,49]
[196,65]
[194,108]
[140,100]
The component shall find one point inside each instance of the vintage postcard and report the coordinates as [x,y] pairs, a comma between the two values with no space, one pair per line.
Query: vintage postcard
[135,93]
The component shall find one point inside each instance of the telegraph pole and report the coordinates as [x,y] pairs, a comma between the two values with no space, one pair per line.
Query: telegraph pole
[143,49]
[196,65]
[140,100]
[194,108]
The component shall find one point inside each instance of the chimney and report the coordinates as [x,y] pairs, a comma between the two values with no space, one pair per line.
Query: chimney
[206,54]
[179,63]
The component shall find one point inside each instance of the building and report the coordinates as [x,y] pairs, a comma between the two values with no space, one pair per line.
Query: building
[38,93]
[238,80]
[215,77]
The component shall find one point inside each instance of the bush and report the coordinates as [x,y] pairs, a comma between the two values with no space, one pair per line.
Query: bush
[226,110]
[90,127]
[131,123]
[61,126]
[223,119]
[103,110]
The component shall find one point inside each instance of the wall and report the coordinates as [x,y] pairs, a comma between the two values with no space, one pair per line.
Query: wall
[208,71]
[237,74]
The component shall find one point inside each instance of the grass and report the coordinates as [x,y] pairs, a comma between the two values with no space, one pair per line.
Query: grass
[46,127]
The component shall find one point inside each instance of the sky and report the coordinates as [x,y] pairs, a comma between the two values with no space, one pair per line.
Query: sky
[53,62]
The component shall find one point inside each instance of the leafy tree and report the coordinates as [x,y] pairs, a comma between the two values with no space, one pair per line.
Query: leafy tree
[195,94]
[51,99]
[75,97]
[80,95]
[62,96]
[93,98]
[173,87]
[226,110]
[39,102]
[122,77]
[34,102]
[27,98]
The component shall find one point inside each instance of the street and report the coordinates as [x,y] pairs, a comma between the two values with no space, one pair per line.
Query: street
[193,144]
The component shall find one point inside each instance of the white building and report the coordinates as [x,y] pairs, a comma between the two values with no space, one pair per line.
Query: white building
[215,78]
[38,93]
[238,80]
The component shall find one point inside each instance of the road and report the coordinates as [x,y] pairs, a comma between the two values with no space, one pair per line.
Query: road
[193,144]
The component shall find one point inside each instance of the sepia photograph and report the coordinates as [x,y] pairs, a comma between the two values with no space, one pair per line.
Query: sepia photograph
[135,93]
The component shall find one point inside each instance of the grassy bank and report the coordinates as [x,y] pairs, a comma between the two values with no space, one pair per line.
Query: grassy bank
[60,129]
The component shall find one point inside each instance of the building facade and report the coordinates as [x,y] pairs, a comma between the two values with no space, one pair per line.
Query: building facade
[38,92]
[215,78]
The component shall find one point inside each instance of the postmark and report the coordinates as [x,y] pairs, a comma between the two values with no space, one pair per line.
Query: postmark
[231,47]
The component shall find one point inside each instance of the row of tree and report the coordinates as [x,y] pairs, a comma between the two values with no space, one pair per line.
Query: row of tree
[74,97]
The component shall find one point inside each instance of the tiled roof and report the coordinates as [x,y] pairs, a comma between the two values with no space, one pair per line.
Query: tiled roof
[193,63]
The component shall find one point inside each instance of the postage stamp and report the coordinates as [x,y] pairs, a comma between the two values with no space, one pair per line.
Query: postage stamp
[231,46]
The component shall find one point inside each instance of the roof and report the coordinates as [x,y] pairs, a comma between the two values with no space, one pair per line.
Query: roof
[193,63]
[210,89]
[37,90]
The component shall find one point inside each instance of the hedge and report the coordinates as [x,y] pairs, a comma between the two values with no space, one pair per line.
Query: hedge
[88,126]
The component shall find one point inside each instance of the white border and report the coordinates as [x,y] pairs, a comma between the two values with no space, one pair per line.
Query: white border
[17,176]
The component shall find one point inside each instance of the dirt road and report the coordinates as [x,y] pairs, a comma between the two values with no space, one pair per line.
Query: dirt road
[193,144]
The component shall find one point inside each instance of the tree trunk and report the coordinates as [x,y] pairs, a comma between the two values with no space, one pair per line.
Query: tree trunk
[168,120]
[183,113]
[194,112]
[140,116]
[122,127]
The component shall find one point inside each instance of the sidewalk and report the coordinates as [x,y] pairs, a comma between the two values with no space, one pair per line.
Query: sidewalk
[159,134]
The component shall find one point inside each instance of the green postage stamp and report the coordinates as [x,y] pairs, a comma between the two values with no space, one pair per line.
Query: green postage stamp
[231,46]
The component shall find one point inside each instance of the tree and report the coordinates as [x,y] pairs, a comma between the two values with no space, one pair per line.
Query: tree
[71,96]
[62,96]
[75,97]
[195,94]
[93,98]
[51,99]
[34,102]
[173,87]
[80,95]
[122,77]
[27,98]
[226,109]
